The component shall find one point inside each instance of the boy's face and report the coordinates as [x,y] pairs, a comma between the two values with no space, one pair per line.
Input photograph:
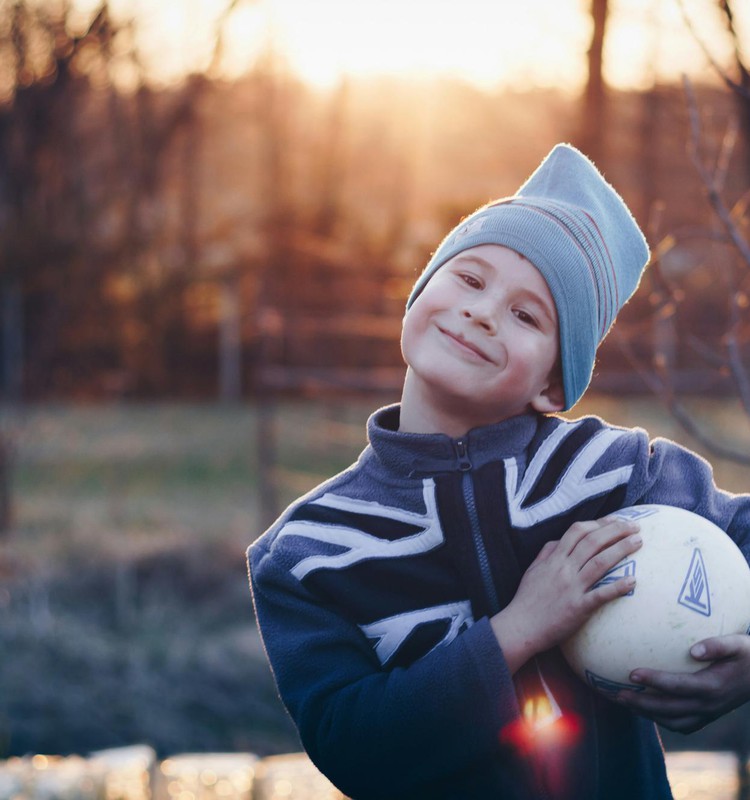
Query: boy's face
[482,338]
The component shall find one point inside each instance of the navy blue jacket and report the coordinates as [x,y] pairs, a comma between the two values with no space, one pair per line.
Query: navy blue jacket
[373,595]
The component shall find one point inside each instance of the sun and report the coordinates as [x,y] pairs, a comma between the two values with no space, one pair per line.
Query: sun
[490,43]
[485,43]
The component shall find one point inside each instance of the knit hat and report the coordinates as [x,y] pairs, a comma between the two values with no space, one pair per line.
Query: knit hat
[577,231]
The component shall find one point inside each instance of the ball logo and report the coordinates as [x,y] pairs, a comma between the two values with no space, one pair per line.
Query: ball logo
[695,593]
[608,686]
[636,512]
[622,570]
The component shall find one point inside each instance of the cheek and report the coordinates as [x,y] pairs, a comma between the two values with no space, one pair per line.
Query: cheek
[408,334]
[417,340]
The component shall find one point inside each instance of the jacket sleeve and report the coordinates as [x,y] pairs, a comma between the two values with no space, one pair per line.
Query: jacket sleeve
[666,473]
[363,726]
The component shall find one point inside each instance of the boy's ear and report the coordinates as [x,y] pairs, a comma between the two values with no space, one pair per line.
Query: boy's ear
[551,398]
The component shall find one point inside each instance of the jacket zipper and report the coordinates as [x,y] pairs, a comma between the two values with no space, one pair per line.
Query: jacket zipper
[467,486]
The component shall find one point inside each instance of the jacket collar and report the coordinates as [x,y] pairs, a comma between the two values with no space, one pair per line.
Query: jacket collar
[413,454]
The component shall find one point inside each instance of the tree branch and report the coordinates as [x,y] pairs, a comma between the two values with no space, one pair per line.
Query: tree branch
[743,70]
[711,183]
[662,386]
[732,84]
[708,180]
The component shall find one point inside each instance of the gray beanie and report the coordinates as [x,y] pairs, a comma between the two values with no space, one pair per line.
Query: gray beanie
[577,231]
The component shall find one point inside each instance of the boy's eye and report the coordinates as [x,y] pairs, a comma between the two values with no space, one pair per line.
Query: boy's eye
[526,318]
[470,280]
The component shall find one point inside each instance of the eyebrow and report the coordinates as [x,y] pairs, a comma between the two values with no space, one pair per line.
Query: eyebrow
[477,259]
[537,299]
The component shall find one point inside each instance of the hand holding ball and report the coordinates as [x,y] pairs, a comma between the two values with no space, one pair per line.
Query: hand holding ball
[692,582]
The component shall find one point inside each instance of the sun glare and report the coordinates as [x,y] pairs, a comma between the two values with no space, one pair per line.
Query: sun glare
[483,42]
[649,40]
[492,43]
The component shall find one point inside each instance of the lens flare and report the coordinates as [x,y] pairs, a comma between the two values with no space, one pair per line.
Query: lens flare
[541,726]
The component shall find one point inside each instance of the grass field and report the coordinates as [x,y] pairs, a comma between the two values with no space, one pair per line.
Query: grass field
[122,582]
[123,478]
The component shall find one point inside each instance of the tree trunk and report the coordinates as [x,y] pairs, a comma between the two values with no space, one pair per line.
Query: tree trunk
[6,483]
[230,342]
[592,126]
[12,335]
[742,92]
[12,389]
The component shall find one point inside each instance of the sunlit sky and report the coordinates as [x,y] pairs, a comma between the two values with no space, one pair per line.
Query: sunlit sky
[489,42]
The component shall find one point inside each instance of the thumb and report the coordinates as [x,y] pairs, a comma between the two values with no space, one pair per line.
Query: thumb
[718,647]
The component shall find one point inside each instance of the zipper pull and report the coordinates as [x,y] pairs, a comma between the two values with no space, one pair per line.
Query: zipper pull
[464,462]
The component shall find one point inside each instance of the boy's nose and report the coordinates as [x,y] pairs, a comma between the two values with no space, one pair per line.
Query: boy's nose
[480,315]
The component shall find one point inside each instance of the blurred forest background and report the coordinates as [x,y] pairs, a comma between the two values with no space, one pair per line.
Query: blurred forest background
[204,275]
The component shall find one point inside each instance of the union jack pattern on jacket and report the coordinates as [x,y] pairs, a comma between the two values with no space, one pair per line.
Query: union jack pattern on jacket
[373,595]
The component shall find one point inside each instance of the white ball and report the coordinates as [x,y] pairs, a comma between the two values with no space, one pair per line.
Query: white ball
[692,582]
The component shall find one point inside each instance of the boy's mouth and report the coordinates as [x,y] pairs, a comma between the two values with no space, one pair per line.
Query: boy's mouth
[466,344]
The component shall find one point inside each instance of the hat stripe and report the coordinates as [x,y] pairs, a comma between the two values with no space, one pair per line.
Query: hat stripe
[593,242]
[600,246]
[548,210]
[613,272]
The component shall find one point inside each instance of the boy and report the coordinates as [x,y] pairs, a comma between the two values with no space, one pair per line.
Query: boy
[411,607]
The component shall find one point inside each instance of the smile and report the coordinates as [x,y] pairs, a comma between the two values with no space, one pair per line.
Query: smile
[466,346]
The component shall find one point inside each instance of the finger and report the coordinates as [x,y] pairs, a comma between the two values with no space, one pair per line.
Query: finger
[677,715]
[604,560]
[611,590]
[598,539]
[577,532]
[686,684]
[661,705]
[719,647]
[687,724]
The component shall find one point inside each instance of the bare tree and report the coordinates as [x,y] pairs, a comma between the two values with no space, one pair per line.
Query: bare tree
[725,351]
[44,203]
[594,110]
[700,311]
[87,173]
